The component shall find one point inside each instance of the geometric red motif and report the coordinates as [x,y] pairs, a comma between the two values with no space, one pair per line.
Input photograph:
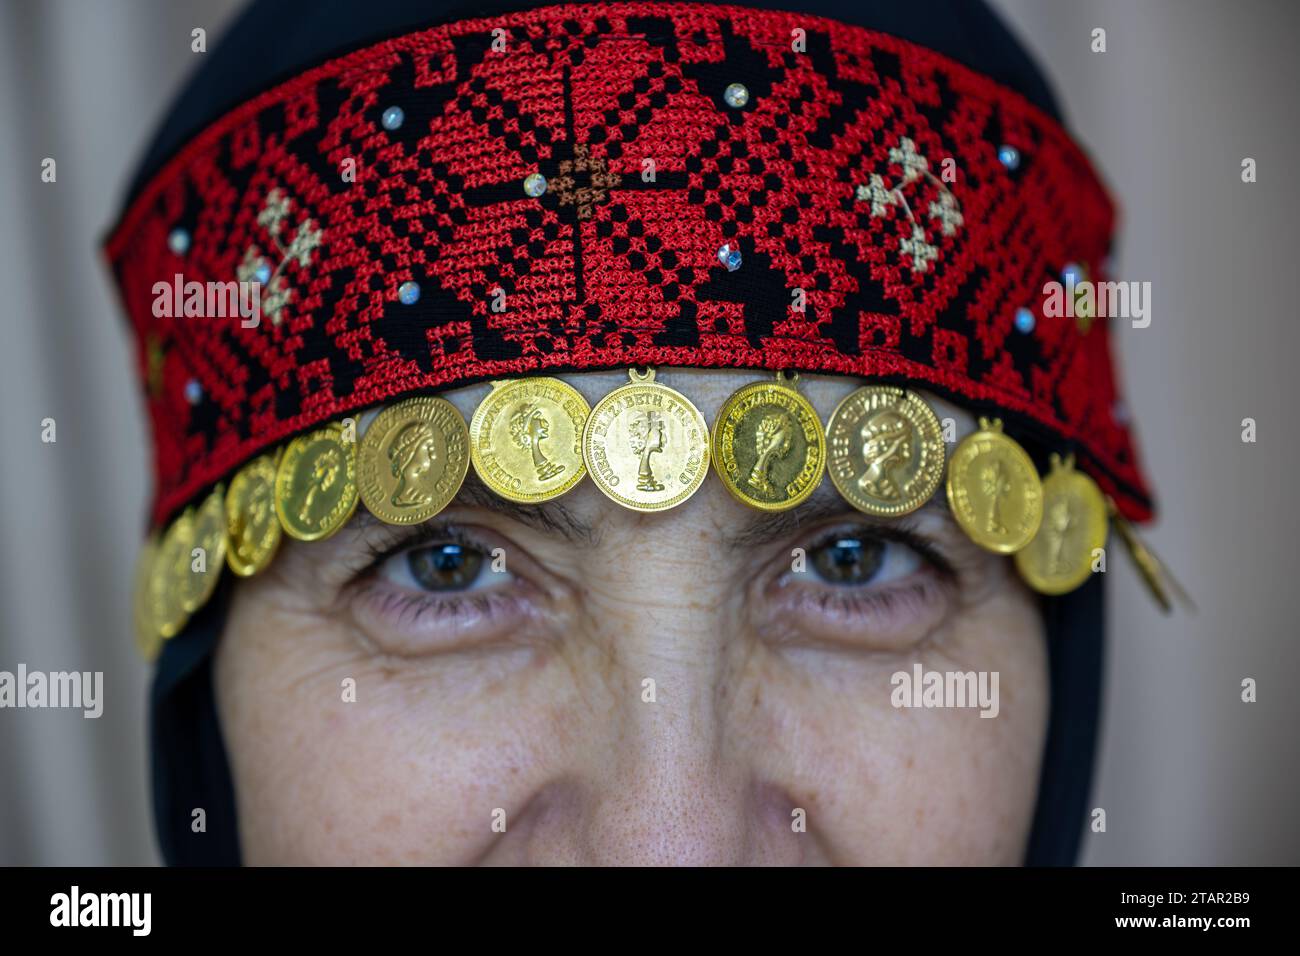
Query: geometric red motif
[621,107]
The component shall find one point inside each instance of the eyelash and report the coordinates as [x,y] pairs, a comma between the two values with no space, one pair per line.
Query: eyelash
[893,601]
[888,608]
[375,553]
[903,533]
[408,607]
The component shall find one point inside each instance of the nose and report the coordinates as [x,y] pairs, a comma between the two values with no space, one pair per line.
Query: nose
[673,796]
[674,779]
[667,756]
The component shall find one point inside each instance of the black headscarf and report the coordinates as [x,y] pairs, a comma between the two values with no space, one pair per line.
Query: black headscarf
[274,40]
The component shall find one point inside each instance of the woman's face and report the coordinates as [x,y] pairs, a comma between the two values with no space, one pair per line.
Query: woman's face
[579,683]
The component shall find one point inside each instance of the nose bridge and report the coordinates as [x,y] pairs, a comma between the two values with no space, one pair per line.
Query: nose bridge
[668,640]
[666,680]
[664,768]
[671,790]
[658,604]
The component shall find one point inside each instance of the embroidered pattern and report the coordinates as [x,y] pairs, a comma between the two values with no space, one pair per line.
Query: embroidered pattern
[593,174]
[824,182]
[944,209]
[255,267]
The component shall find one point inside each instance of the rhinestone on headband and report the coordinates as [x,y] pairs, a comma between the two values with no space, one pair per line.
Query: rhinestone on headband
[178,241]
[393,118]
[729,257]
[736,95]
[534,185]
[408,293]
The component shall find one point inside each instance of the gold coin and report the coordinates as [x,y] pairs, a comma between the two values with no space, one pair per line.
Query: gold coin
[994,491]
[147,638]
[413,459]
[526,438]
[885,450]
[171,567]
[768,445]
[1060,557]
[251,523]
[208,532]
[316,483]
[646,446]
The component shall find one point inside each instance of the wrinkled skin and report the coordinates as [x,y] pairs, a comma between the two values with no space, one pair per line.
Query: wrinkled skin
[517,697]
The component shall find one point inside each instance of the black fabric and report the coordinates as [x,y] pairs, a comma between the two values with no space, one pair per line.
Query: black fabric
[190,770]
[273,40]
[1076,627]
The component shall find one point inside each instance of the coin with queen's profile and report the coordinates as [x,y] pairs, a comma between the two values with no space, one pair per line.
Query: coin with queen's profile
[646,445]
[768,445]
[526,439]
[316,483]
[413,459]
[885,450]
[208,551]
[170,568]
[252,527]
[994,490]
[1072,532]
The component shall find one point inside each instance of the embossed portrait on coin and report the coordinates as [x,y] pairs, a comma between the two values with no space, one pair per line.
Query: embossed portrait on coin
[646,438]
[528,427]
[253,522]
[996,486]
[324,473]
[773,440]
[411,455]
[886,447]
[175,562]
[1057,523]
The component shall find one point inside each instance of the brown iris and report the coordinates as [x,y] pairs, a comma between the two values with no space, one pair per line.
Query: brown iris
[847,560]
[445,567]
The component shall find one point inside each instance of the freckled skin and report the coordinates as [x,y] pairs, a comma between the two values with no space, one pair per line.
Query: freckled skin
[550,725]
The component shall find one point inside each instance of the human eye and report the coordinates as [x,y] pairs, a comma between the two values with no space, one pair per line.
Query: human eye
[855,559]
[441,587]
[447,566]
[883,586]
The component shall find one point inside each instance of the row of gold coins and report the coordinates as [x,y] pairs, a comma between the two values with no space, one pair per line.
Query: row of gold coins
[647,447]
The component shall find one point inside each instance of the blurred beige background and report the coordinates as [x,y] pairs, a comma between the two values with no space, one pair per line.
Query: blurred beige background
[1188,773]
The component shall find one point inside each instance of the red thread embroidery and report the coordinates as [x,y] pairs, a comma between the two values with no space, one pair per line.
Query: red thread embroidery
[616,263]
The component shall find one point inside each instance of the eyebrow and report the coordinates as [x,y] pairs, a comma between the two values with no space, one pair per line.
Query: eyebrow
[551,517]
[554,517]
[826,502]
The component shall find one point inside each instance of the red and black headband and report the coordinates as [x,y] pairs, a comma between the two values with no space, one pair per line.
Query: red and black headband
[605,185]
